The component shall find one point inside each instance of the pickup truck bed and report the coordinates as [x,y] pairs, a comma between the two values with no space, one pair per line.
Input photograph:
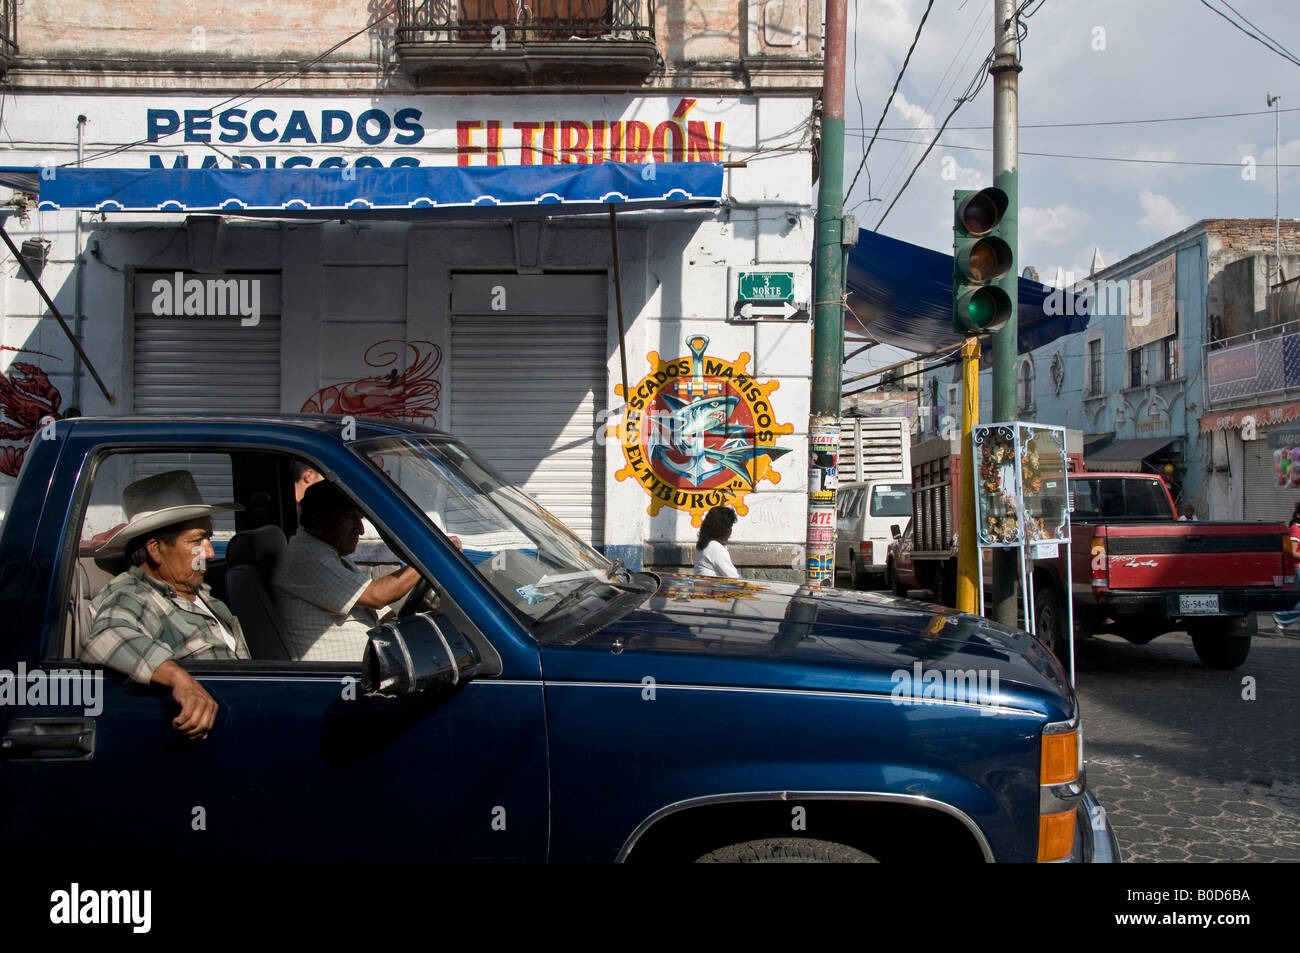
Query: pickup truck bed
[1141,574]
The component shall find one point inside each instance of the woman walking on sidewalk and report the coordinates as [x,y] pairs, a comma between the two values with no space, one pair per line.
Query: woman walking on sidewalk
[711,557]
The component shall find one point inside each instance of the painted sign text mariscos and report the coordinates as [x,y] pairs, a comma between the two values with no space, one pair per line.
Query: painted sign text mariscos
[492,142]
[699,432]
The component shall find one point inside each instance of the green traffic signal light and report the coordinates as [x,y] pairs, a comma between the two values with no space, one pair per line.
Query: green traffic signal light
[983,262]
[983,309]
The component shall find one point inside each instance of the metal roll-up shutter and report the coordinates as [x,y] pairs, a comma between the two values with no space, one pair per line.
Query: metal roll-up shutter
[1264,499]
[525,390]
[208,363]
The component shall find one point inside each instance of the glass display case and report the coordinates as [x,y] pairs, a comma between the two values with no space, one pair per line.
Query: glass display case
[1021,496]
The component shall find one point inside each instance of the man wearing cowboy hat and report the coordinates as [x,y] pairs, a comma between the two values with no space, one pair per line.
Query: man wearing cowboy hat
[160,610]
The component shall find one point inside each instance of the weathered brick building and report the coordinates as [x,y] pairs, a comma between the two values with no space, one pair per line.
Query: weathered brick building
[499,327]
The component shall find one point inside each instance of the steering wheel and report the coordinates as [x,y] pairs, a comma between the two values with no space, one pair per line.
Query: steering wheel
[415,598]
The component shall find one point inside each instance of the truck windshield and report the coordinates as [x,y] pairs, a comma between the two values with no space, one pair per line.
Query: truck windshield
[892,500]
[532,559]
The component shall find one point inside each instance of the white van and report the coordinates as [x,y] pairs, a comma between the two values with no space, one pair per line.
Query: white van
[864,514]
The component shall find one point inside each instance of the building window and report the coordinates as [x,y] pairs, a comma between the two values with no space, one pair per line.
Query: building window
[1025,385]
[1135,367]
[1169,358]
[1096,380]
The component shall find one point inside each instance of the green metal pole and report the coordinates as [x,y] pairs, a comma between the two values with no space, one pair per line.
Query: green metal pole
[828,314]
[1006,126]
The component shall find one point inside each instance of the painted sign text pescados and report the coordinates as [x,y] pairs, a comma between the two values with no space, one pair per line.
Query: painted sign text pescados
[478,141]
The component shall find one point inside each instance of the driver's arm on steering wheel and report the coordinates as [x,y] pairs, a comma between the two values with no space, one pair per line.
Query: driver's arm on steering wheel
[390,588]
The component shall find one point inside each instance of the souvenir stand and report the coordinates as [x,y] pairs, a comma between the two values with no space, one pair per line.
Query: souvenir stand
[1022,502]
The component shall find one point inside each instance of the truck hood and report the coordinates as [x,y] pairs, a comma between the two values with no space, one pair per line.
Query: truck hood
[741,633]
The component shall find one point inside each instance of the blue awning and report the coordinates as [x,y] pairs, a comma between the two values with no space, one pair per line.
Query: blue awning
[391,192]
[902,294]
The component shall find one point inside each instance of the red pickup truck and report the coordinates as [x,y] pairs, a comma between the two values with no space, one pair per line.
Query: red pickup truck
[1139,572]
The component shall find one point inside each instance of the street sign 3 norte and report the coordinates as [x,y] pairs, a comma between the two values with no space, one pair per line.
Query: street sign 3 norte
[767,295]
[699,432]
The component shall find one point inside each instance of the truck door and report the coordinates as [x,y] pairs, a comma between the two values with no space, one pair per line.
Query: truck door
[299,766]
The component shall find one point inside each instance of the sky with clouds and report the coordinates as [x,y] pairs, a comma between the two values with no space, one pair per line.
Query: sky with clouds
[1085,61]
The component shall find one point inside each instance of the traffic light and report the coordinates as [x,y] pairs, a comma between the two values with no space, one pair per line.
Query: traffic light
[983,267]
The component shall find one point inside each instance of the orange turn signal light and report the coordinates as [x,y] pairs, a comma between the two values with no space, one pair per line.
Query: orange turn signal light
[1060,758]
[1055,836]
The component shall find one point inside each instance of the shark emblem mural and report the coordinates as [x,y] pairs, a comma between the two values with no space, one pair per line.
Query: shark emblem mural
[699,432]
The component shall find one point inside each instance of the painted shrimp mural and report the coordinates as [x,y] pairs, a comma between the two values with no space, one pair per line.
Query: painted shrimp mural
[412,394]
[26,398]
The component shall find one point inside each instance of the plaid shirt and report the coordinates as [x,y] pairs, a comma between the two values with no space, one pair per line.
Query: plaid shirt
[141,622]
[316,592]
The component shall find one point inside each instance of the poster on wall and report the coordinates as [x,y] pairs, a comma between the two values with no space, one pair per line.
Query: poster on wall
[699,431]
[1151,311]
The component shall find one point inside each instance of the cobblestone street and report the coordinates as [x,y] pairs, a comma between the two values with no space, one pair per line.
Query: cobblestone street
[1187,768]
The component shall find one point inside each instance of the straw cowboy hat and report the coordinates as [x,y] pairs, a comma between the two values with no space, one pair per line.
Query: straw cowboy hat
[158,501]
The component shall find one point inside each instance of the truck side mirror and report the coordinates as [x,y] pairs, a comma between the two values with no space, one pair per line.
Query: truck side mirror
[895,531]
[423,652]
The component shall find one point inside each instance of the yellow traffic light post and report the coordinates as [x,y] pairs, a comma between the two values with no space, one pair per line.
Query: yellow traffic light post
[983,267]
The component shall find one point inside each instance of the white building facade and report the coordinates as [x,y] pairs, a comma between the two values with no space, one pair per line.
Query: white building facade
[503,330]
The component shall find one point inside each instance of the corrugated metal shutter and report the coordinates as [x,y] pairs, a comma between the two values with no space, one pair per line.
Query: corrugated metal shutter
[1264,499]
[202,365]
[524,394]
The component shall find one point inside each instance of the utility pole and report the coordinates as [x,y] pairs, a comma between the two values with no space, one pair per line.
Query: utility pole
[1006,146]
[828,313]
[1277,205]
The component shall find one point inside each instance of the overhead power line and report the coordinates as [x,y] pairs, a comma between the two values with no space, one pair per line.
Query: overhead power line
[1063,155]
[1269,43]
[903,157]
[1099,122]
[972,90]
[279,79]
[907,59]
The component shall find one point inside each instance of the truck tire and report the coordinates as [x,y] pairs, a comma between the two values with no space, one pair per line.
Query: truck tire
[893,582]
[944,589]
[786,850]
[1224,642]
[857,578]
[1049,623]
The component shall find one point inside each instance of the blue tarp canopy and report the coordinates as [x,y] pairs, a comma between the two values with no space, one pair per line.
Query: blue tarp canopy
[390,192]
[902,295]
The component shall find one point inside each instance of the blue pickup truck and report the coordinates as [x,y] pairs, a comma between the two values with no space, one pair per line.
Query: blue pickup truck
[529,700]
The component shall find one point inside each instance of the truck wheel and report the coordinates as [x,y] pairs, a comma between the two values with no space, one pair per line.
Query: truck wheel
[1222,643]
[857,579]
[1048,621]
[782,850]
[893,582]
[941,587]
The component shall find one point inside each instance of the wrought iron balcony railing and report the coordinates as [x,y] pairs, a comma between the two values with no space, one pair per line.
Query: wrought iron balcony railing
[8,30]
[521,21]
